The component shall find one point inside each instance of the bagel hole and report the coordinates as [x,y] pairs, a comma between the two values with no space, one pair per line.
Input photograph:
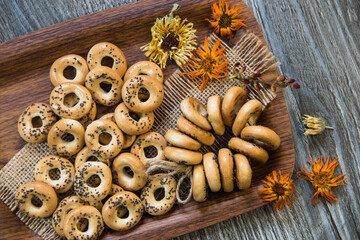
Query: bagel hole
[134,116]
[107,61]
[105,138]
[106,86]
[93,181]
[185,188]
[69,72]
[92,159]
[128,172]
[143,94]
[36,201]
[122,212]
[71,99]
[67,137]
[54,174]
[159,194]
[82,224]
[150,151]
[36,122]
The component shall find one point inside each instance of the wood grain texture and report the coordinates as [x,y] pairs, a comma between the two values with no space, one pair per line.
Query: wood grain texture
[317,43]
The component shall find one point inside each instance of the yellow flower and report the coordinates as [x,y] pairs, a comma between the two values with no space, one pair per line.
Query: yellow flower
[208,64]
[321,178]
[172,38]
[224,18]
[278,188]
[314,125]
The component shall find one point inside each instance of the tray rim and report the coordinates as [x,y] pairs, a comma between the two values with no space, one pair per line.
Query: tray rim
[40,32]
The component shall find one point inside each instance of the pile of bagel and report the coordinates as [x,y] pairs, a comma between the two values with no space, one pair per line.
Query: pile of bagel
[101,163]
[198,126]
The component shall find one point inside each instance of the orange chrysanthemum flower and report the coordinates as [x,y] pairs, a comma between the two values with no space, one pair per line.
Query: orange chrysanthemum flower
[278,188]
[224,18]
[209,64]
[321,178]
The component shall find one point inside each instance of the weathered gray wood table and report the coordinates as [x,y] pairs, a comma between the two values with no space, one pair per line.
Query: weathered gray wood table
[318,44]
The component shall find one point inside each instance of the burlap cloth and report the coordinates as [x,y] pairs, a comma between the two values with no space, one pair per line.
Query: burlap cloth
[249,51]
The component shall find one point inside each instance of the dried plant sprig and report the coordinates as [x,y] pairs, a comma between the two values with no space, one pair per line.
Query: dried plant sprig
[321,179]
[172,38]
[255,80]
[224,18]
[209,64]
[314,125]
[278,187]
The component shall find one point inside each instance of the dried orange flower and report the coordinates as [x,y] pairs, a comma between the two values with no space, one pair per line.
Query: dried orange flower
[321,178]
[224,18]
[209,64]
[278,188]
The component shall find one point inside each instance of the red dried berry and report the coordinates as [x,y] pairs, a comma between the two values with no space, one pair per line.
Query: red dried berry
[296,86]
[291,80]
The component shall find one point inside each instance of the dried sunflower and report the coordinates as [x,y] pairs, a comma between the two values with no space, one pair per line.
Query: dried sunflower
[278,188]
[208,64]
[321,178]
[172,38]
[224,18]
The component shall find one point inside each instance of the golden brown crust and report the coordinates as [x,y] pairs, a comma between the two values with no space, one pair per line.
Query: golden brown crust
[234,98]
[106,49]
[129,125]
[85,155]
[120,200]
[243,171]
[104,149]
[214,114]
[181,140]
[90,117]
[91,193]
[104,75]
[65,206]
[95,223]
[195,112]
[199,183]
[125,180]
[250,150]
[194,131]
[212,172]
[44,192]
[159,207]
[149,139]
[130,94]
[25,125]
[226,166]
[183,156]
[144,68]
[249,113]
[262,136]
[66,168]
[128,139]
[58,97]
[72,60]
[66,137]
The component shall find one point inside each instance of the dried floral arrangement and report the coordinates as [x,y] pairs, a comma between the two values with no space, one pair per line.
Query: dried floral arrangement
[173,38]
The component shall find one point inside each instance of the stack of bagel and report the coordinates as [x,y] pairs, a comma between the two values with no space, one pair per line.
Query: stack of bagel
[199,125]
[101,162]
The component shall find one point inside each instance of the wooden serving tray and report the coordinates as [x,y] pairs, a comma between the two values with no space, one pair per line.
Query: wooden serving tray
[24,79]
